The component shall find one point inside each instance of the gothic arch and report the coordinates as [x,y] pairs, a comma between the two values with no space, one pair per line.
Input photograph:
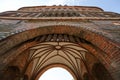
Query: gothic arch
[18,43]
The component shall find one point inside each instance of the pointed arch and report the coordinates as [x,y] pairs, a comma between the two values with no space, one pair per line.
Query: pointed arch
[14,45]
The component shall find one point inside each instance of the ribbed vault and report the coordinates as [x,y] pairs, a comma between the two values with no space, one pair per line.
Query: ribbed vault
[65,53]
[56,49]
[60,50]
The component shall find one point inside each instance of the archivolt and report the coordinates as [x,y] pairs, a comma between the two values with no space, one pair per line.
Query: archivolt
[88,40]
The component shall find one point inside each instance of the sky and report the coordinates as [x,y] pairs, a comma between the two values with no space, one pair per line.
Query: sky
[107,5]
[56,73]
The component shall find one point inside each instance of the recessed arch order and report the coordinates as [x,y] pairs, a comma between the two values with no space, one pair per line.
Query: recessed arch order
[18,43]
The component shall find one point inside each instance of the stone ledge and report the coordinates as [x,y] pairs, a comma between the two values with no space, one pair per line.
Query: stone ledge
[61,18]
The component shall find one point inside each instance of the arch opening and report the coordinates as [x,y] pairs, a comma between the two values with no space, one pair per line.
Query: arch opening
[56,73]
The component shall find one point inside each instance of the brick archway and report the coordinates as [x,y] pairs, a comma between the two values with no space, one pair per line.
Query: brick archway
[93,42]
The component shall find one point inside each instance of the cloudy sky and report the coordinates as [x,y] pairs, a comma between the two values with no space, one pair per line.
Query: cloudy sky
[107,5]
